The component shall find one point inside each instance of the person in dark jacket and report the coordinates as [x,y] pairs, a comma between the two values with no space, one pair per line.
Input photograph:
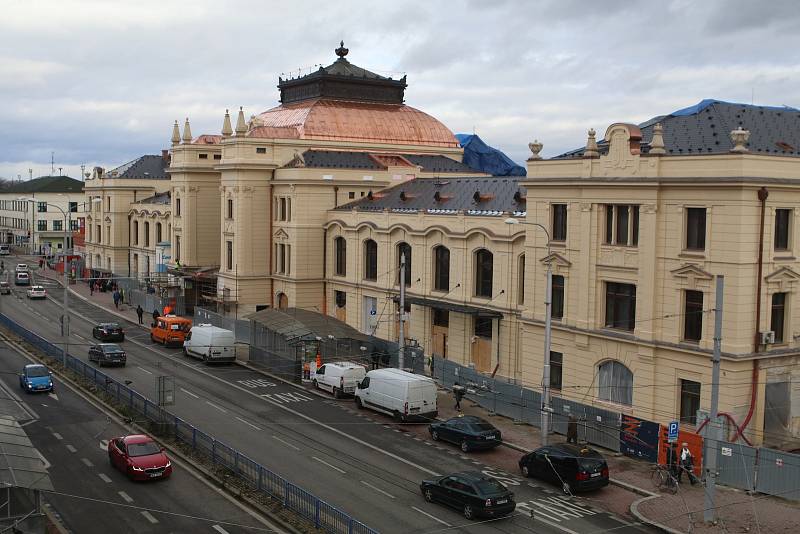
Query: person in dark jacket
[572,430]
[458,393]
[156,315]
[139,313]
[687,464]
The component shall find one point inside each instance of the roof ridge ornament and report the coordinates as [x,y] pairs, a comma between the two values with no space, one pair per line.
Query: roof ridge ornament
[226,125]
[241,126]
[740,136]
[657,142]
[535,148]
[176,133]
[342,51]
[187,132]
[591,145]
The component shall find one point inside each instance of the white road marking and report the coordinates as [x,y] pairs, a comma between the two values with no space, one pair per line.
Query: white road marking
[71,449]
[81,337]
[367,484]
[87,462]
[52,396]
[147,515]
[58,436]
[104,445]
[125,496]
[257,383]
[104,478]
[146,371]
[329,465]
[286,443]
[190,393]
[286,398]
[248,423]
[423,512]
[219,529]
[220,408]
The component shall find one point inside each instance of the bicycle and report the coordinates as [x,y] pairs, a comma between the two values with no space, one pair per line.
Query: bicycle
[663,479]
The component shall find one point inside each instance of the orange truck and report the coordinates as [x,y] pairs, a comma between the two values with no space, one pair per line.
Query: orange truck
[170,330]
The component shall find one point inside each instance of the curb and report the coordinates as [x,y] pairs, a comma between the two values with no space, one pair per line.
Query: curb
[641,517]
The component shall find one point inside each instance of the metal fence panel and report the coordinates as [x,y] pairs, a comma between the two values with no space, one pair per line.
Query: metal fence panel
[779,473]
[736,465]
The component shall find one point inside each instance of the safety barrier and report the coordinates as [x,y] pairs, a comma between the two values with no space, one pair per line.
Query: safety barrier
[323,515]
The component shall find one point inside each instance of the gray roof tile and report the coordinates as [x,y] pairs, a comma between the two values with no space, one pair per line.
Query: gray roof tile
[335,159]
[144,167]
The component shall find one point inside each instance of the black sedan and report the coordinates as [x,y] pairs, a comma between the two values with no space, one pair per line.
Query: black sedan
[108,332]
[107,354]
[475,494]
[573,467]
[467,431]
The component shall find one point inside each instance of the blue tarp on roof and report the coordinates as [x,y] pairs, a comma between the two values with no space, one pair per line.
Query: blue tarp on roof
[484,158]
[703,104]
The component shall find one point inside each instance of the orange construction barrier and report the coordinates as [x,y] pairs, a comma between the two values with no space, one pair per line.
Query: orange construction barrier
[319,360]
[695,442]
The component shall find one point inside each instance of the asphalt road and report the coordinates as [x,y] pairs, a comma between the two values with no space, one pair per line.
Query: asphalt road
[360,462]
[90,495]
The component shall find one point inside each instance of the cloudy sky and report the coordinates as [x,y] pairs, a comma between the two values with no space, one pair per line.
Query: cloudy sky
[101,81]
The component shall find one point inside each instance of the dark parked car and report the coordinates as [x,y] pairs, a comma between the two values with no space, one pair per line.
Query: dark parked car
[573,467]
[467,431]
[475,494]
[108,332]
[107,354]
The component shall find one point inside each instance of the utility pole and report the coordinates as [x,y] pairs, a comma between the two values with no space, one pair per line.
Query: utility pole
[401,360]
[548,307]
[713,437]
[65,314]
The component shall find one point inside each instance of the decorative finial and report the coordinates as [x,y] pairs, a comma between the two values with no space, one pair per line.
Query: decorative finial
[535,147]
[176,133]
[341,51]
[657,142]
[740,137]
[591,145]
[187,132]
[241,126]
[226,125]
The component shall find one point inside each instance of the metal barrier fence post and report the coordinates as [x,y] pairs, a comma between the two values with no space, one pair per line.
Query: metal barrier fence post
[130,392]
[194,439]
[316,513]
[213,451]
[260,483]
[176,426]
[236,463]
[285,492]
[350,526]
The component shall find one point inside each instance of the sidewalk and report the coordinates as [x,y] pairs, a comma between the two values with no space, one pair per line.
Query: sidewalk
[631,493]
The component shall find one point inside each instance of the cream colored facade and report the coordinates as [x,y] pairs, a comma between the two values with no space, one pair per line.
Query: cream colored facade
[150,225]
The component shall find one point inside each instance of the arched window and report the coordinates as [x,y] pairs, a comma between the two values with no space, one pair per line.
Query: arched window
[283,301]
[370,260]
[146,234]
[135,232]
[404,249]
[484,261]
[340,252]
[441,268]
[159,237]
[615,383]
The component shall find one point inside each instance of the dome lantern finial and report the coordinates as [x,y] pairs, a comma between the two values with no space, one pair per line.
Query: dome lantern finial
[226,125]
[341,51]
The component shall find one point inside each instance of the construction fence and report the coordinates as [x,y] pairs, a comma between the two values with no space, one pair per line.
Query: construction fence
[321,514]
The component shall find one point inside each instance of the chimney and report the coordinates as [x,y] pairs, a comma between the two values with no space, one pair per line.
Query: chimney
[165,156]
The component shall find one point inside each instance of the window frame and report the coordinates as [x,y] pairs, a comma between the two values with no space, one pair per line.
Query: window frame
[483,266]
[686,414]
[558,222]
[607,389]
[690,315]
[556,363]
[340,256]
[614,293]
[229,209]
[557,297]
[370,251]
[783,230]
[440,275]
[229,255]
[694,239]
[521,279]
[612,231]
[401,247]
[777,323]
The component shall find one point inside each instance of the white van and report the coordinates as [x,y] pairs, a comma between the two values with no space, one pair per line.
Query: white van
[210,343]
[340,378]
[404,396]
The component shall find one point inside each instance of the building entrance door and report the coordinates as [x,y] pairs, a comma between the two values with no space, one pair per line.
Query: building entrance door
[482,344]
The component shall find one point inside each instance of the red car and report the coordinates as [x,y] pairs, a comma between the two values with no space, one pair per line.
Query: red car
[139,457]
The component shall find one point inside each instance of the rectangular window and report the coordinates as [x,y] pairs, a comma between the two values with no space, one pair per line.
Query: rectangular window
[622,225]
[778,317]
[693,316]
[74,226]
[229,255]
[202,156]
[559,228]
[351,195]
[556,366]
[108,202]
[483,327]
[41,207]
[99,238]
[58,226]
[178,207]
[690,401]
[41,225]
[230,209]
[177,248]
[441,318]
[261,150]
[135,232]
[217,156]
[108,234]
[557,302]
[282,204]
[695,228]
[340,298]
[783,219]
[521,280]
[620,306]
[73,207]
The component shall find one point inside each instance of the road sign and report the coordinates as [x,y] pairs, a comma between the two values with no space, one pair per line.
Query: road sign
[672,432]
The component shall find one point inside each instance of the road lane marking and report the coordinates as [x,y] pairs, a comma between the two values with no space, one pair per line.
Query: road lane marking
[190,393]
[81,337]
[423,512]
[329,465]
[87,462]
[71,449]
[104,445]
[149,373]
[125,496]
[147,515]
[58,436]
[219,529]
[286,443]
[104,478]
[52,396]
[248,423]
[367,484]
[220,408]
[257,383]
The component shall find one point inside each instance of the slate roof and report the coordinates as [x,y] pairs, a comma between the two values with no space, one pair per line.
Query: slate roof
[493,196]
[334,159]
[144,167]
[705,129]
[158,198]
[46,184]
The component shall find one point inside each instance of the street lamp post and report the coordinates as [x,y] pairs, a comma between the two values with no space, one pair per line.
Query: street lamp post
[548,304]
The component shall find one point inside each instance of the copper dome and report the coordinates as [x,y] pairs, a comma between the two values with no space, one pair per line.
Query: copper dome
[338,120]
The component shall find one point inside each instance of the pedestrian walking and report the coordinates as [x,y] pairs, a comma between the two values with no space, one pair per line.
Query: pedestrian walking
[140,313]
[687,464]
[458,393]
[115,296]
[91,288]
[572,430]
[41,263]
[156,315]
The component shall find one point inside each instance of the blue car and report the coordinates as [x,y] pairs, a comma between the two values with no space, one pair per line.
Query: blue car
[35,377]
